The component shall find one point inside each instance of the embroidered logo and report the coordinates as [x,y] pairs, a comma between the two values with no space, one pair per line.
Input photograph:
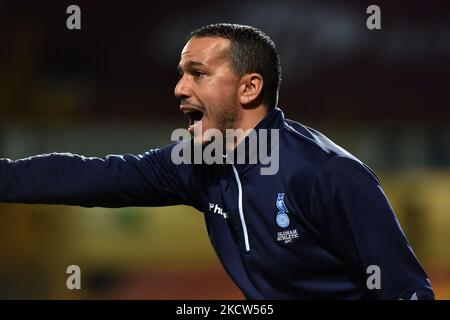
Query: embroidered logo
[282,217]
[287,236]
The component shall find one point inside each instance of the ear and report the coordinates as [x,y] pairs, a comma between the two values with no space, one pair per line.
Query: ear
[250,88]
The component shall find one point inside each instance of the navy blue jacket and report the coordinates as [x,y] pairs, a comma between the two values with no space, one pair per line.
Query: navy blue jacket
[314,230]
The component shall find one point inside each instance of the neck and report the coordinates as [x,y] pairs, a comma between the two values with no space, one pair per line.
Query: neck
[248,119]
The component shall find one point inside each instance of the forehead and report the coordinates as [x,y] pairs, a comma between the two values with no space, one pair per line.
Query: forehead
[205,50]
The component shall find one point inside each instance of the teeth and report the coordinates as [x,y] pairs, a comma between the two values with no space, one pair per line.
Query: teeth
[191,120]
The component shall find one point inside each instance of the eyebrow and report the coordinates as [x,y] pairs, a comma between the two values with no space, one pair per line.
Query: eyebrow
[190,65]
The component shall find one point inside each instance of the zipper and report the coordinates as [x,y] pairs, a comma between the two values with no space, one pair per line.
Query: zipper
[241,211]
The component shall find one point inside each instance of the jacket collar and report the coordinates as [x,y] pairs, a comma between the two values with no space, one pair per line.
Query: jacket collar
[266,134]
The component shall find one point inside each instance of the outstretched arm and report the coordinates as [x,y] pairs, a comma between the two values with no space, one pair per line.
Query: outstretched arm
[150,179]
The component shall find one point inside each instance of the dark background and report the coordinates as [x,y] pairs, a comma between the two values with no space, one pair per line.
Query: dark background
[108,88]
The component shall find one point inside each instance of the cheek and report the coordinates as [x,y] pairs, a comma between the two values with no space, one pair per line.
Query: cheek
[226,94]
[223,102]
[219,97]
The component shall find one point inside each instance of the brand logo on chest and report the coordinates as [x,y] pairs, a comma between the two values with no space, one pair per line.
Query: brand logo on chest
[283,221]
[215,208]
[282,217]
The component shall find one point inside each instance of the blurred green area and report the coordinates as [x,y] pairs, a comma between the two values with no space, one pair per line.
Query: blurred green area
[164,253]
[142,253]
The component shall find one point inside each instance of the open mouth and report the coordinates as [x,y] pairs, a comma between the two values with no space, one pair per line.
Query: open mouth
[194,116]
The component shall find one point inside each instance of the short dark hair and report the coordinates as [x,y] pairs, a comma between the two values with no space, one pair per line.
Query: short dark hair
[251,50]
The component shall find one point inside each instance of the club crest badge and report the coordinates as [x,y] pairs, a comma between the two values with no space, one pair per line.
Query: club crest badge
[282,217]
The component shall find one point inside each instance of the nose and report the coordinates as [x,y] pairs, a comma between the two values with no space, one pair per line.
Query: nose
[182,89]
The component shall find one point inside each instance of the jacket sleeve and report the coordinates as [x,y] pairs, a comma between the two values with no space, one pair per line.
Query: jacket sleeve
[150,179]
[356,217]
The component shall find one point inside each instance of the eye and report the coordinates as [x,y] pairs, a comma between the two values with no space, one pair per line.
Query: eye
[197,74]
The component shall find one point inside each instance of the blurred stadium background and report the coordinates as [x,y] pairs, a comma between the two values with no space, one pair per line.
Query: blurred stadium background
[108,88]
